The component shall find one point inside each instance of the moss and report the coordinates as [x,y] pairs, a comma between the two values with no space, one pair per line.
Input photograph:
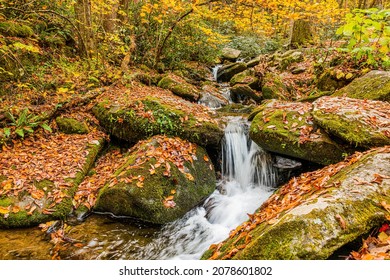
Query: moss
[71,126]
[6,201]
[284,240]
[278,137]
[44,185]
[179,87]
[375,86]
[146,203]
[15,29]
[167,120]
[351,131]
[273,87]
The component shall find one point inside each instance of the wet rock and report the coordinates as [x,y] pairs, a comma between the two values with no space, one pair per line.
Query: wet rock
[287,128]
[316,213]
[226,72]
[161,181]
[362,123]
[211,97]
[240,93]
[374,85]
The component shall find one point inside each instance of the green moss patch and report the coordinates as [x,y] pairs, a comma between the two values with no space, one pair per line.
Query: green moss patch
[70,126]
[375,85]
[162,179]
[287,128]
[363,123]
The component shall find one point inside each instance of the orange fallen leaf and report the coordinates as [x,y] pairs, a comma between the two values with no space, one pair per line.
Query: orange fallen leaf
[205,158]
[4,210]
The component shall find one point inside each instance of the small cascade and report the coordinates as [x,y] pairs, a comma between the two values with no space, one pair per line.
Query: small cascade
[215,71]
[247,181]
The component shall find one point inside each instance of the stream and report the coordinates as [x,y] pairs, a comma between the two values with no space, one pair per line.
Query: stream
[247,180]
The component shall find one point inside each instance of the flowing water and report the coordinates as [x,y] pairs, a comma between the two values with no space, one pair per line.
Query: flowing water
[247,180]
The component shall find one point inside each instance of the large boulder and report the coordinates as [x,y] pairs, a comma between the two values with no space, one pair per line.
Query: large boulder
[246,78]
[273,87]
[374,85]
[141,112]
[363,123]
[162,180]
[226,72]
[180,87]
[212,97]
[316,213]
[287,128]
[38,176]
[230,54]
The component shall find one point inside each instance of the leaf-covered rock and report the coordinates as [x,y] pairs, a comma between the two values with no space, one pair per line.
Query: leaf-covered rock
[39,175]
[139,112]
[179,87]
[364,123]
[162,179]
[247,78]
[287,128]
[273,87]
[374,85]
[316,213]
[241,92]
[230,54]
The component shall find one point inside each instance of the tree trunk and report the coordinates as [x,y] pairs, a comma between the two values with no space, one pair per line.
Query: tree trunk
[84,24]
[111,17]
[301,33]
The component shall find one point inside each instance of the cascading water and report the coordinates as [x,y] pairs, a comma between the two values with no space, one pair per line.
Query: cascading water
[247,180]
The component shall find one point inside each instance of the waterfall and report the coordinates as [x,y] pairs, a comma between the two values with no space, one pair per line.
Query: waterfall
[247,181]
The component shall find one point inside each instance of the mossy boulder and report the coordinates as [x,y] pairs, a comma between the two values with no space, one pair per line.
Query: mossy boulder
[242,93]
[226,72]
[374,85]
[141,112]
[180,87]
[273,87]
[315,214]
[162,180]
[285,59]
[246,78]
[71,126]
[362,123]
[333,79]
[38,182]
[287,128]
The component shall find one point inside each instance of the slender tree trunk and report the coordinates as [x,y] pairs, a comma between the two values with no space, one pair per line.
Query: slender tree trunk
[111,17]
[84,24]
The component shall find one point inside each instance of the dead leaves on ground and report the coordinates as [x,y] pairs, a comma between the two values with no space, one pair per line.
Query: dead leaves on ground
[41,157]
[306,187]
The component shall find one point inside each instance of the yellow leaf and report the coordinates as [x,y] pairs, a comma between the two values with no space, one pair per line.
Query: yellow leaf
[140,184]
[4,210]
[190,177]
[383,237]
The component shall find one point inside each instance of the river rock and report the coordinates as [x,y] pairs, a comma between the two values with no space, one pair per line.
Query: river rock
[316,213]
[374,85]
[226,72]
[141,112]
[287,128]
[211,97]
[246,78]
[242,92]
[162,180]
[362,123]
[332,80]
[230,54]
[273,87]
[179,87]
[39,175]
